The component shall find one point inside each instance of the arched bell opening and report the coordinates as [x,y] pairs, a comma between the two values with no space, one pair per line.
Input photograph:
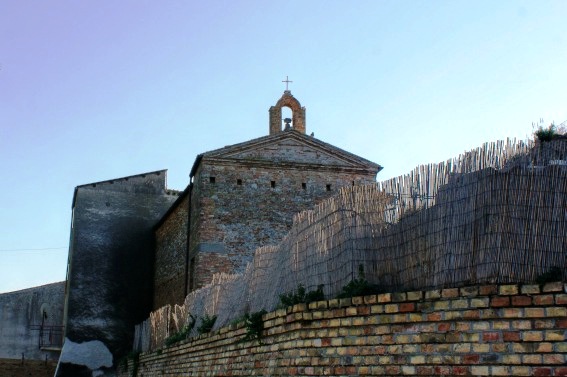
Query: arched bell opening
[287,108]
[287,118]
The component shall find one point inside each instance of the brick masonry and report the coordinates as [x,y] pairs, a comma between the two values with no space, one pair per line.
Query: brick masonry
[170,256]
[298,113]
[243,197]
[248,207]
[494,330]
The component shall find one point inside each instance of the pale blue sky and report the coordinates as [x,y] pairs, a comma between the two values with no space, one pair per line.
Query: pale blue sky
[95,90]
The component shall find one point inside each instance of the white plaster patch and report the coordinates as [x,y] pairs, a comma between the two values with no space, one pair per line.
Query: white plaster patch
[92,354]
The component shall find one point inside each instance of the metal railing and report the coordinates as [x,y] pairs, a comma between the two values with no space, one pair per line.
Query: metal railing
[49,336]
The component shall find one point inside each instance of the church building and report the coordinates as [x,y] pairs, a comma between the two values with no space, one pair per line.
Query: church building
[137,246]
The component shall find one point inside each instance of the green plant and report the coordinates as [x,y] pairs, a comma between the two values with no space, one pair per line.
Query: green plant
[237,320]
[293,297]
[359,287]
[254,325]
[554,274]
[124,364]
[207,323]
[135,357]
[316,295]
[301,297]
[547,133]
[181,334]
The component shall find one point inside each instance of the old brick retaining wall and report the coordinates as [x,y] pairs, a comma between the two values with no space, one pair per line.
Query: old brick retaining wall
[493,330]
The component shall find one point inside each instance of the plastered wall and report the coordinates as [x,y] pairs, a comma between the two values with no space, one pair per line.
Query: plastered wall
[110,268]
[21,316]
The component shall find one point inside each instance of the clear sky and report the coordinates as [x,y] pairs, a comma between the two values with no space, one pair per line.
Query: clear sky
[96,90]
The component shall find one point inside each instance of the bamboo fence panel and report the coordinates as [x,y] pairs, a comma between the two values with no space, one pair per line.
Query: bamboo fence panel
[495,214]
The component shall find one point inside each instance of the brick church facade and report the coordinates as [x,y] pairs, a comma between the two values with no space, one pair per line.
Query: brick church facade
[136,246]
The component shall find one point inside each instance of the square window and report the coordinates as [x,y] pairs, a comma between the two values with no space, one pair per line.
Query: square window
[212,179]
[304,185]
[328,187]
[239,182]
[273,184]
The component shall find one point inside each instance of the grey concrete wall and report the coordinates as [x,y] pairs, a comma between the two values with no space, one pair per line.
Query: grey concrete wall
[110,267]
[20,311]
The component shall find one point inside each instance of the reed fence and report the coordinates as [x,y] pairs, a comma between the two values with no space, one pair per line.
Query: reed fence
[495,214]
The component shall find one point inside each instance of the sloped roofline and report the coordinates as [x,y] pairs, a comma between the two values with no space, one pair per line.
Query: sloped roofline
[124,178]
[173,206]
[280,136]
[114,180]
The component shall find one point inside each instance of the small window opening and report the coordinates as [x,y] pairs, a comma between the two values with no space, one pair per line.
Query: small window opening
[273,184]
[239,182]
[304,185]
[211,179]
[328,187]
[353,183]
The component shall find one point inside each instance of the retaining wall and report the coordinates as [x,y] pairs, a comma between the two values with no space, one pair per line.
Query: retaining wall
[490,330]
[27,368]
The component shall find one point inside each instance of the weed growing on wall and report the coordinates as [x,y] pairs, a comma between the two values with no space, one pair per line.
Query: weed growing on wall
[554,274]
[207,323]
[300,296]
[182,334]
[254,325]
[359,287]
[547,133]
[124,364]
[135,357]
[237,320]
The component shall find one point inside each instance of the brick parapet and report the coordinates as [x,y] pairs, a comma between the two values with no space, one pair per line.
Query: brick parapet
[491,330]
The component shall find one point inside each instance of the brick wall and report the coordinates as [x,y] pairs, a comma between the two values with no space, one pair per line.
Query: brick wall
[517,330]
[170,256]
[237,208]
